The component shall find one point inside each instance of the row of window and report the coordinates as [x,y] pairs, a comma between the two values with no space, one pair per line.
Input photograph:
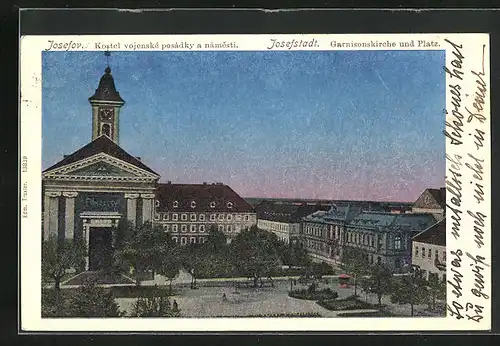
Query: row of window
[274,226]
[175,204]
[192,240]
[428,252]
[201,217]
[197,228]
[363,239]
[316,231]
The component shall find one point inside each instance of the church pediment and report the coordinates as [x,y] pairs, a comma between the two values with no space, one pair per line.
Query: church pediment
[100,167]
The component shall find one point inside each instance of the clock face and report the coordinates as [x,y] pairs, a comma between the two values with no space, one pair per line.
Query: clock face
[106,113]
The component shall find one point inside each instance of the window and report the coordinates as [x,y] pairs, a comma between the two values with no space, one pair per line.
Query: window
[174,217]
[229,217]
[221,217]
[202,217]
[429,255]
[238,217]
[184,217]
[202,228]
[397,242]
[167,228]
[229,205]
[183,240]
[175,204]
[371,242]
[228,228]
[212,205]
[174,228]
[212,217]
[193,228]
[165,216]
[444,256]
[193,217]
[221,228]
[175,239]
[192,240]
[184,228]
[106,130]
[193,204]
[157,217]
[436,254]
[423,252]
[157,203]
[247,217]
[201,240]
[416,251]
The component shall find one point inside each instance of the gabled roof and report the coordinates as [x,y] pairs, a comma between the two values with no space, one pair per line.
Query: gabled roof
[206,197]
[101,144]
[436,234]
[432,198]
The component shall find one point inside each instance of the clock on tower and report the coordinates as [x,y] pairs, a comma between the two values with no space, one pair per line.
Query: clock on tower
[106,103]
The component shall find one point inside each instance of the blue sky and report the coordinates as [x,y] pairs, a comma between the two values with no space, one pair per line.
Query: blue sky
[336,124]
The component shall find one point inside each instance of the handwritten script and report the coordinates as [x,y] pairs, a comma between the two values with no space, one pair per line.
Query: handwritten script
[466,132]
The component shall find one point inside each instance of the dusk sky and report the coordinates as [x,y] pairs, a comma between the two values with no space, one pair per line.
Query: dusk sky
[363,125]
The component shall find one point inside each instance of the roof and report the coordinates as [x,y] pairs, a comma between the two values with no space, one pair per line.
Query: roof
[284,212]
[101,144]
[384,220]
[215,197]
[432,199]
[106,91]
[436,234]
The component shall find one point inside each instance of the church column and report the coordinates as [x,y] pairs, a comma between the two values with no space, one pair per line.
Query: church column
[86,237]
[51,213]
[46,217]
[132,207]
[147,207]
[69,214]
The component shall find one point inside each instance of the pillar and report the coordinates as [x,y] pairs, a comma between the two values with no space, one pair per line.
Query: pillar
[51,218]
[69,217]
[86,238]
[132,207]
[147,207]
[46,217]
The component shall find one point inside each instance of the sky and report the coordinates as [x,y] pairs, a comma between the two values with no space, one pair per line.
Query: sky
[358,125]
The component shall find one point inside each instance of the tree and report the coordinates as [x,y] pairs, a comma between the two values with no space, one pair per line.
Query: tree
[170,264]
[140,251]
[91,300]
[409,289]
[254,254]
[355,264]
[58,256]
[379,280]
[216,239]
[155,304]
[436,289]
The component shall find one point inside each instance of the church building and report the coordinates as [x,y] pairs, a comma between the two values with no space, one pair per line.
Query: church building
[88,192]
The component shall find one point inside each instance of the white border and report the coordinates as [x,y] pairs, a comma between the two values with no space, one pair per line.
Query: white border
[30,231]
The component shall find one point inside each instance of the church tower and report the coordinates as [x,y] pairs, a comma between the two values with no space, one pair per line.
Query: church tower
[106,103]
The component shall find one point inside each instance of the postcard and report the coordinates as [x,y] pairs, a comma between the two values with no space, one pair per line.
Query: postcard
[182,183]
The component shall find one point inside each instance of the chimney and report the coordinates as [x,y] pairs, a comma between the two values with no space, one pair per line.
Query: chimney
[169,182]
[138,158]
[204,183]
[65,156]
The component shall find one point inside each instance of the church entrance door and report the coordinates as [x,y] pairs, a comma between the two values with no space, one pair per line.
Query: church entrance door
[100,248]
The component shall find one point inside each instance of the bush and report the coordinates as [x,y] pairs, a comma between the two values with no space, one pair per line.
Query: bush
[307,294]
[155,303]
[349,303]
[137,291]
[93,301]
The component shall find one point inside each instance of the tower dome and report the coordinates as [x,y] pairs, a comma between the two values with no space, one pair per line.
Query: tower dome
[106,91]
